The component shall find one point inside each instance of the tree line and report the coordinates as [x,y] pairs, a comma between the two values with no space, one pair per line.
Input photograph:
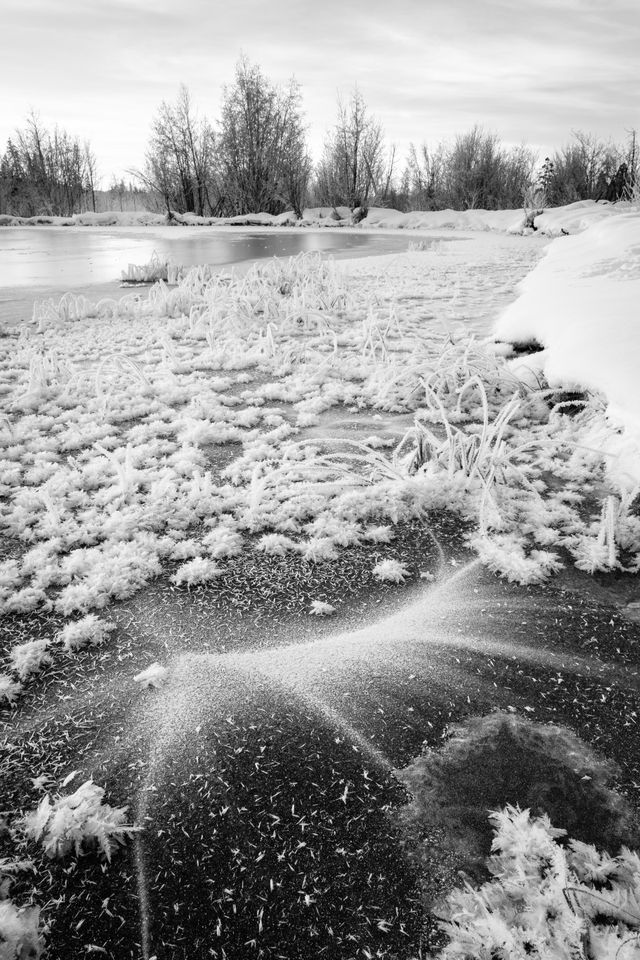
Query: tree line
[43,172]
[255,158]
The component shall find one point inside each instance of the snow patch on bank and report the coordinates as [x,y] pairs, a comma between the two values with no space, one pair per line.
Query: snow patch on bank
[581,303]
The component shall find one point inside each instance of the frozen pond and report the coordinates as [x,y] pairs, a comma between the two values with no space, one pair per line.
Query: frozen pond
[65,257]
[41,262]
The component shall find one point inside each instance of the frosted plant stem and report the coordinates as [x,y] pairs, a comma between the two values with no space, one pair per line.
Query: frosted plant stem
[143,890]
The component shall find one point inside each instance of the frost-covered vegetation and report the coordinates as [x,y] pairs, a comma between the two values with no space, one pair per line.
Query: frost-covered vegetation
[156,269]
[546,898]
[540,894]
[117,412]
[501,758]
[77,822]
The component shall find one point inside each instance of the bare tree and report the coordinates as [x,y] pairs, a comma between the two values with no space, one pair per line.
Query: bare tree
[582,169]
[632,162]
[482,173]
[179,162]
[263,160]
[46,173]
[424,177]
[352,170]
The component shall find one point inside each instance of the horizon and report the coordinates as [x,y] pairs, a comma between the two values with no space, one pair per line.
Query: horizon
[530,75]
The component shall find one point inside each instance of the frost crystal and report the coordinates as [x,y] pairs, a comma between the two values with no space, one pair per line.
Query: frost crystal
[9,689]
[198,570]
[322,609]
[89,631]
[20,932]
[276,544]
[78,821]
[27,658]
[545,895]
[391,571]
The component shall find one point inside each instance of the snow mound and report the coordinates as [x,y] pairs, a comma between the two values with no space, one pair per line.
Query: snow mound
[556,221]
[581,304]
[576,217]
[501,220]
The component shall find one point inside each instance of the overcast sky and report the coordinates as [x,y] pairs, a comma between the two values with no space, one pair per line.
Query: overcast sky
[528,70]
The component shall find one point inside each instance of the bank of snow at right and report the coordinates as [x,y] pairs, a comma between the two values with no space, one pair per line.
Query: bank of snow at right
[581,303]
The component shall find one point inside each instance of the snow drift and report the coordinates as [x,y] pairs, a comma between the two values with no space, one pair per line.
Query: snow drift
[581,304]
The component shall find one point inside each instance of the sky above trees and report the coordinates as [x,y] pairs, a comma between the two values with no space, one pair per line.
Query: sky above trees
[428,69]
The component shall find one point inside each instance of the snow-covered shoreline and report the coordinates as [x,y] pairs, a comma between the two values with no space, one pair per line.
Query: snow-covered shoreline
[581,304]
[554,221]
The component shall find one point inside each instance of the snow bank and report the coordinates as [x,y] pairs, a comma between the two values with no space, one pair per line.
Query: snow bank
[554,222]
[581,303]
[576,217]
[503,220]
[138,218]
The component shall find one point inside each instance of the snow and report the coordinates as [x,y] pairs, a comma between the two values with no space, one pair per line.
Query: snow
[476,220]
[555,221]
[581,304]
[576,217]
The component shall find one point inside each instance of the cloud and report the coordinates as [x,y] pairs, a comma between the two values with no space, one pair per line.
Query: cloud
[427,69]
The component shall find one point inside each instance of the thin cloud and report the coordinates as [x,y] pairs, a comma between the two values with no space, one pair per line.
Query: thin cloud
[530,71]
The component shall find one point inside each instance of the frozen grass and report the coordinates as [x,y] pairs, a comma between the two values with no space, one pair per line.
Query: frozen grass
[156,269]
